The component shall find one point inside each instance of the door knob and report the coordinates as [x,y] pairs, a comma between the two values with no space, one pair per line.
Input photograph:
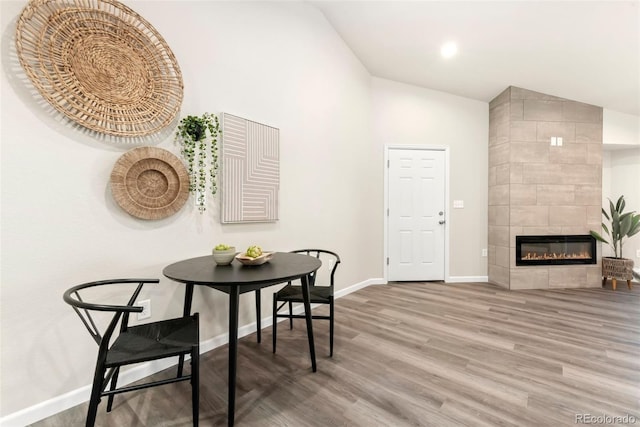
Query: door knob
[441,222]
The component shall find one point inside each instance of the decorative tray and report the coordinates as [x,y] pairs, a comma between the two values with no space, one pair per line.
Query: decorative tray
[246,260]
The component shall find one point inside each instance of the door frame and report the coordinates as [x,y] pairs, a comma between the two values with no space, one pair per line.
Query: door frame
[445,149]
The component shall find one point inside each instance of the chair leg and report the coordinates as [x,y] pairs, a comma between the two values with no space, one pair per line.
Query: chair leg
[331,327]
[188,300]
[96,391]
[180,365]
[195,384]
[290,315]
[275,321]
[258,315]
[114,381]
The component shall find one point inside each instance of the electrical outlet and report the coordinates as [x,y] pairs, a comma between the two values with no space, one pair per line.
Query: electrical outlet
[638,253]
[484,252]
[146,309]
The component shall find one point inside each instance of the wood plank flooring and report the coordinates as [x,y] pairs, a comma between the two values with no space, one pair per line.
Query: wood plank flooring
[422,354]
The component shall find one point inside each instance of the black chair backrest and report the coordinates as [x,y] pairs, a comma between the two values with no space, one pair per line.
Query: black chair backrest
[72,296]
[333,257]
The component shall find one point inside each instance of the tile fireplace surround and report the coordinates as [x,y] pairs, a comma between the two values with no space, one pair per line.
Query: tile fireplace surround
[538,186]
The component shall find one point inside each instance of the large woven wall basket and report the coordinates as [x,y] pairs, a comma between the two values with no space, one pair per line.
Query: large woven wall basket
[150,183]
[101,65]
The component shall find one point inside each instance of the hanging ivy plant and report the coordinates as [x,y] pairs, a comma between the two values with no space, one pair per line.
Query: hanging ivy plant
[198,138]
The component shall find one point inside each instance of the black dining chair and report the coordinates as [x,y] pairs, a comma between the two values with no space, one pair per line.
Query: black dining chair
[134,344]
[321,283]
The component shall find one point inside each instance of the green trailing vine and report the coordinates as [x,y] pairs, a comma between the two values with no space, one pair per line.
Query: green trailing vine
[198,138]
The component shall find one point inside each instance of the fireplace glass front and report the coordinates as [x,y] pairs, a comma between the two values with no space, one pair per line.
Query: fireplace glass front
[555,250]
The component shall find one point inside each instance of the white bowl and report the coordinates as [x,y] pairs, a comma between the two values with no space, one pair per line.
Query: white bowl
[246,260]
[224,257]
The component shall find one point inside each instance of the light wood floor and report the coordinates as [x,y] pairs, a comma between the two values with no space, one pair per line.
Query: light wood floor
[422,354]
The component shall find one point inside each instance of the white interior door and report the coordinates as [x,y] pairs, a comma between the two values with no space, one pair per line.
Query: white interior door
[416,215]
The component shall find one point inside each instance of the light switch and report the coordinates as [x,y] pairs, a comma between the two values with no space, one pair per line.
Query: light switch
[458,204]
[554,141]
[559,141]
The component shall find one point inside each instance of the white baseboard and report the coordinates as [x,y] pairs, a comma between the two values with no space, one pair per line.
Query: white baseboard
[80,395]
[358,286]
[467,279]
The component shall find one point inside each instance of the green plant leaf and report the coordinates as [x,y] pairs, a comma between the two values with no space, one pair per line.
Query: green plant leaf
[615,224]
[612,208]
[635,225]
[598,237]
[620,204]
[625,224]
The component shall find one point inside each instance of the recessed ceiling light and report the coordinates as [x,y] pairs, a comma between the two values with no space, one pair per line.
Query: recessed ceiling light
[449,49]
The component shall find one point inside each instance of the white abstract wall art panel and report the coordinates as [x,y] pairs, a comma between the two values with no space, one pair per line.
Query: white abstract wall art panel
[250,171]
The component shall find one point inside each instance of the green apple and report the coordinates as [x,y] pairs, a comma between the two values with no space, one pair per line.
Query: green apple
[254,251]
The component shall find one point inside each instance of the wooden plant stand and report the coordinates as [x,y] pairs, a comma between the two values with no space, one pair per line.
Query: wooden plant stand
[617,269]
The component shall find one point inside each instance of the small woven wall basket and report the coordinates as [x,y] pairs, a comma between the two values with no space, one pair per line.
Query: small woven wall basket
[150,183]
[100,64]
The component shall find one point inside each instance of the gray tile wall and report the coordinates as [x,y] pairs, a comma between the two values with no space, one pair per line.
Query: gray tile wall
[536,188]
[500,179]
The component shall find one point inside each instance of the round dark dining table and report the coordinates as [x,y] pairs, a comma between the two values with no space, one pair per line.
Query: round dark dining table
[236,279]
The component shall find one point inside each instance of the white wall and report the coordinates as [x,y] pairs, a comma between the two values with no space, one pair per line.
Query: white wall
[404,114]
[620,129]
[279,63]
[621,176]
[621,170]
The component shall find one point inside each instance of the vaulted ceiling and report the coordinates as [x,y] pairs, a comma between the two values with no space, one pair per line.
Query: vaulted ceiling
[587,51]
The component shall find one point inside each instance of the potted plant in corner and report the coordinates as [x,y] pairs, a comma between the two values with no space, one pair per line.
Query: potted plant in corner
[198,138]
[621,225]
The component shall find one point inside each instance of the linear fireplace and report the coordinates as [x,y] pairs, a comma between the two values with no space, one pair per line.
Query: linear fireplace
[555,250]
